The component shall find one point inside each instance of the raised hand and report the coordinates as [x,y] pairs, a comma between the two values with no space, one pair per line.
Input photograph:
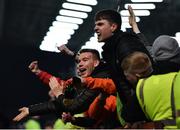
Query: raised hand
[56,87]
[34,67]
[63,48]
[132,20]
[23,113]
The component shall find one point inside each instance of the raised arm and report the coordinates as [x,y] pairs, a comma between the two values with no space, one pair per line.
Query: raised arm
[43,76]
[133,24]
[132,20]
[63,48]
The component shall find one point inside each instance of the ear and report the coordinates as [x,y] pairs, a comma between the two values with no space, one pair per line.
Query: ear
[114,27]
[96,63]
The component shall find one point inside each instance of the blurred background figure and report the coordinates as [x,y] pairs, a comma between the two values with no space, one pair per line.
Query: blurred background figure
[166,54]
[33,123]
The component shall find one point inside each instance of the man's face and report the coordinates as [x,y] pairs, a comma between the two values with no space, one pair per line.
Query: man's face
[86,64]
[103,29]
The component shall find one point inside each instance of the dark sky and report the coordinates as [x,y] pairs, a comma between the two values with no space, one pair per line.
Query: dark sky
[23,24]
[19,87]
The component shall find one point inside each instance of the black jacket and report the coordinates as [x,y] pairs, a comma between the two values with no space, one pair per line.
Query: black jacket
[163,67]
[78,105]
[115,49]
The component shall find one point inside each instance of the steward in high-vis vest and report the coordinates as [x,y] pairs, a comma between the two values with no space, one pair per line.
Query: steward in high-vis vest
[157,94]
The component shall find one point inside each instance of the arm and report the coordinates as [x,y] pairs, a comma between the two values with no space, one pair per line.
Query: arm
[104,84]
[96,108]
[103,104]
[132,20]
[133,24]
[128,44]
[43,76]
[24,111]
[81,102]
[78,105]
[63,48]
[38,109]
[34,67]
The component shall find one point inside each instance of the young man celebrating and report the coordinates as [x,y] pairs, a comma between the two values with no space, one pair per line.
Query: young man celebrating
[117,46]
[88,62]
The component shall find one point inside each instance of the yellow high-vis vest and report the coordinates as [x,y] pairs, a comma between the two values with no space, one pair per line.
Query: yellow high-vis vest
[158,99]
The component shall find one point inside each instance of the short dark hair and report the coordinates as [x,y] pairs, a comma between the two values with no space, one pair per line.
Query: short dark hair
[110,15]
[93,51]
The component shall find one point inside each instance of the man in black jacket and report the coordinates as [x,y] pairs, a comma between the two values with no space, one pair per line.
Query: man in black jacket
[117,46]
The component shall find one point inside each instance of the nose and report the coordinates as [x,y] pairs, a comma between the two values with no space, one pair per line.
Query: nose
[79,64]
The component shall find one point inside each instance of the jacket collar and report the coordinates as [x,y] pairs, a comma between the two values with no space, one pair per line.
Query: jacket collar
[110,42]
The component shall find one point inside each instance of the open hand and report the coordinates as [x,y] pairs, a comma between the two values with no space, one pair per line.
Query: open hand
[23,113]
[132,18]
[56,87]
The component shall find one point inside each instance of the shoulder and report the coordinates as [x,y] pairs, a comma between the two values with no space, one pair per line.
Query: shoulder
[101,71]
[127,40]
[129,37]
[125,35]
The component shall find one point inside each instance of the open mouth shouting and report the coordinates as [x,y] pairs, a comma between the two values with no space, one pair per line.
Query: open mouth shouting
[81,71]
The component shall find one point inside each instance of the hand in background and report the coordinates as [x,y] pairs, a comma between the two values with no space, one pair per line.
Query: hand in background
[132,20]
[23,113]
[63,48]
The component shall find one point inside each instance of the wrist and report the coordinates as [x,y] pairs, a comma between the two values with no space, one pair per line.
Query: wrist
[136,30]
[59,94]
[37,72]
[71,53]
